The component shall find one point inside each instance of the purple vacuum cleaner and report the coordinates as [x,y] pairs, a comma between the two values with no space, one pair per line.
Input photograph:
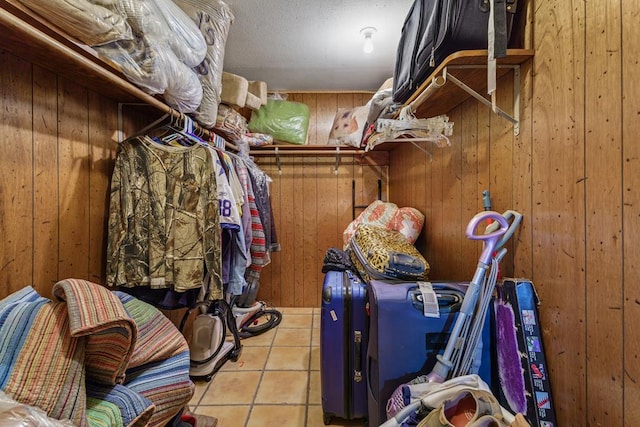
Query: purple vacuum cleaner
[461,350]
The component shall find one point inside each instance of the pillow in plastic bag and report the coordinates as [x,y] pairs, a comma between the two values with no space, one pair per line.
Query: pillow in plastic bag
[156,70]
[213,17]
[138,61]
[181,33]
[286,121]
[151,59]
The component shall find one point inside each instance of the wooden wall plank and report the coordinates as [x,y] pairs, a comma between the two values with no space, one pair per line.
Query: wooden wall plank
[45,188]
[501,161]
[344,100]
[346,175]
[298,231]
[103,123]
[522,159]
[271,273]
[437,257]
[287,234]
[452,228]
[74,170]
[467,130]
[309,189]
[326,107]
[327,230]
[417,163]
[16,174]
[312,102]
[631,209]
[603,148]
[558,217]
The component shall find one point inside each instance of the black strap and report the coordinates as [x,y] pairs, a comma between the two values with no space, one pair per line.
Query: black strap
[500,28]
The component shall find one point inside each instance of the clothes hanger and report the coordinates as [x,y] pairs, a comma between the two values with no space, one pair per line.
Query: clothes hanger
[181,128]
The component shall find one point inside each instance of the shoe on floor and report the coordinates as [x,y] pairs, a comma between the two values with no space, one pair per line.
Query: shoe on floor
[469,408]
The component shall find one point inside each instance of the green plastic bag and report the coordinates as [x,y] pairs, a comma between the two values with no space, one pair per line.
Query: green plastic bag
[286,121]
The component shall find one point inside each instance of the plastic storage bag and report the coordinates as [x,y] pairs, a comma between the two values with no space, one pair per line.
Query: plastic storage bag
[15,414]
[213,17]
[90,23]
[166,42]
[286,121]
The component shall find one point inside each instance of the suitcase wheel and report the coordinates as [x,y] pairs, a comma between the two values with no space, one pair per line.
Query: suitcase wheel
[326,418]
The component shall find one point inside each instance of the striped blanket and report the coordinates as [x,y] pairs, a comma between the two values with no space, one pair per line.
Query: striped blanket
[95,357]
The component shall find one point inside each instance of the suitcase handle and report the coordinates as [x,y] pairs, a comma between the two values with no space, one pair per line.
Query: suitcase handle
[357,369]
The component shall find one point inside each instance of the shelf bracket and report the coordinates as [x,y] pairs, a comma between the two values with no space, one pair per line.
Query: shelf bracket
[278,161]
[415,144]
[515,120]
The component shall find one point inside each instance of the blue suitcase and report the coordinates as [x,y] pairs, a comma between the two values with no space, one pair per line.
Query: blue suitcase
[403,343]
[343,346]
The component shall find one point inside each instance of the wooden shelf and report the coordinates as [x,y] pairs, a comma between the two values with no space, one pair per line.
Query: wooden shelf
[27,36]
[303,150]
[468,66]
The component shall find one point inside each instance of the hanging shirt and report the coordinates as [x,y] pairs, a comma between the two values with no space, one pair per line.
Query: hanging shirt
[228,205]
[164,228]
[234,252]
[243,177]
[260,182]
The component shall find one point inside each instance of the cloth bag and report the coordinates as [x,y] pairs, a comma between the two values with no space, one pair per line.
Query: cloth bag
[382,254]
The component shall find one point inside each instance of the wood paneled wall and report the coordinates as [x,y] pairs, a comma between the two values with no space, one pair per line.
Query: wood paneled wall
[54,174]
[573,173]
[60,141]
[313,204]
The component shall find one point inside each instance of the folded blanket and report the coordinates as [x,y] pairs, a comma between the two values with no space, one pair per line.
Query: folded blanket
[110,333]
[120,359]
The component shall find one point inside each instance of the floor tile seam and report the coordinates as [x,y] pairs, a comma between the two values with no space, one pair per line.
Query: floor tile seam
[255,394]
[279,404]
[222,405]
[203,393]
[309,370]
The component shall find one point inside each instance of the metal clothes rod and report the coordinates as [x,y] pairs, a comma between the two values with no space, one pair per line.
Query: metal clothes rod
[328,153]
[436,83]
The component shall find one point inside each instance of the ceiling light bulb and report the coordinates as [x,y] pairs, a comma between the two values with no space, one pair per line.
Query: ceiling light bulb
[368,32]
[368,44]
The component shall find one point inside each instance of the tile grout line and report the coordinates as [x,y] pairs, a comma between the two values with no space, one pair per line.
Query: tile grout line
[306,409]
[264,368]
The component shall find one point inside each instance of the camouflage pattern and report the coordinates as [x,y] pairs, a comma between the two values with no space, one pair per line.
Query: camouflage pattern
[164,226]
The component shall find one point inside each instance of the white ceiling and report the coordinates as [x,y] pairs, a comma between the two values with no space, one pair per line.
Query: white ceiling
[314,45]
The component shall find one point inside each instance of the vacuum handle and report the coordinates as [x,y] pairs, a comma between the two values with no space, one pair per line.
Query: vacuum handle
[514,219]
[490,239]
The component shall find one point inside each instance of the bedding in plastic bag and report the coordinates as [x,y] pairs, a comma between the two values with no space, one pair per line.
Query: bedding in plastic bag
[257,139]
[183,35]
[156,70]
[286,121]
[230,124]
[213,17]
[15,414]
[89,22]
[155,59]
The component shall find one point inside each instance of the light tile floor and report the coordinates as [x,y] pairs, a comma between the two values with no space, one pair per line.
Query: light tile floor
[275,382]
